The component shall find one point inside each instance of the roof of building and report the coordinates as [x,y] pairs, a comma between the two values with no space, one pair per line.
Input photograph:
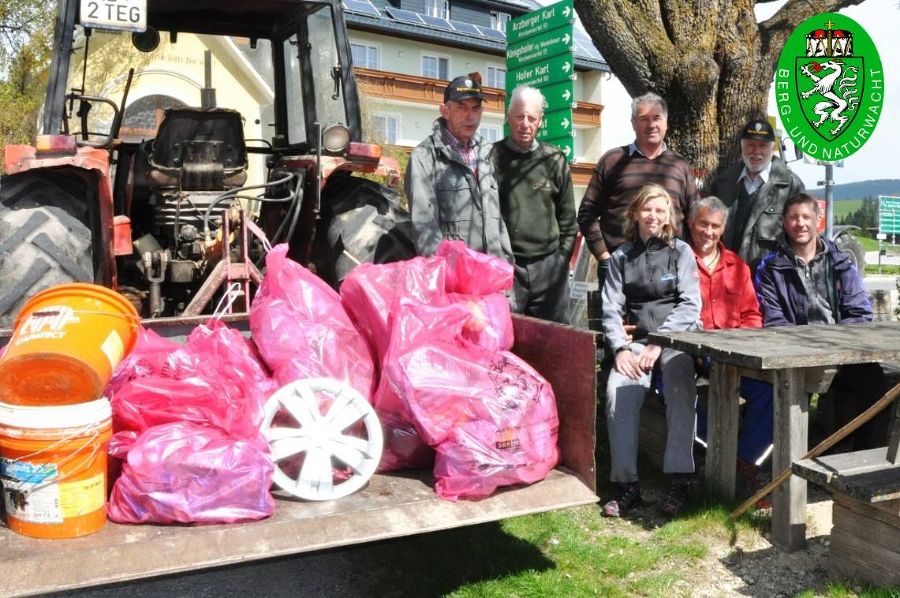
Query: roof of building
[363,14]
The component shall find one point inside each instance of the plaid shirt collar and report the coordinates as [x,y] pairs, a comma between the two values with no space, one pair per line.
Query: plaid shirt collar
[467,151]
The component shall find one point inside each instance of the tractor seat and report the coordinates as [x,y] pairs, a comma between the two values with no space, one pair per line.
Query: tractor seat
[199,149]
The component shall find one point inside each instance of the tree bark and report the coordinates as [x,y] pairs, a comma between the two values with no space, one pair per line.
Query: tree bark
[710,60]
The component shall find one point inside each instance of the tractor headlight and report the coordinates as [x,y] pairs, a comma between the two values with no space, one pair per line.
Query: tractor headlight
[335,138]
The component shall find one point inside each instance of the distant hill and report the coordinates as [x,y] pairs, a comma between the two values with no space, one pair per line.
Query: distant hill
[861,189]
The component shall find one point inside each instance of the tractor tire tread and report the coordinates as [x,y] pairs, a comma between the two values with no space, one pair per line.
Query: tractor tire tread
[46,237]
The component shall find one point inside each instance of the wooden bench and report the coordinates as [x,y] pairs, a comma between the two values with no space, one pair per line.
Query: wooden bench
[865,537]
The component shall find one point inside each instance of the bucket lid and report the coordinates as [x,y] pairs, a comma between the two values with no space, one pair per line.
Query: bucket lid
[58,416]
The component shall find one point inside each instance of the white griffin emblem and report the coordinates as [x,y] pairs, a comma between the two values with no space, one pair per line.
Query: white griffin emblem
[839,97]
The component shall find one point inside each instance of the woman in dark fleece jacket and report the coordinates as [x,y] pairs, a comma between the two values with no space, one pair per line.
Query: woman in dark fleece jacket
[653,285]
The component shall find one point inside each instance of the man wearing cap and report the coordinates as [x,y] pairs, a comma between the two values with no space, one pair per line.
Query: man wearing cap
[755,190]
[450,180]
[538,206]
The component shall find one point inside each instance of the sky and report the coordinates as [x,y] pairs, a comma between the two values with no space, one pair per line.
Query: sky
[878,158]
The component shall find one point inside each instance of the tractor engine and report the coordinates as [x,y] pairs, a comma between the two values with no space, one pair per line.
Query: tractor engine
[194,169]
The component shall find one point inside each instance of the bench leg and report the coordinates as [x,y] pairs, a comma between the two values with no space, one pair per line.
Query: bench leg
[791,431]
[722,428]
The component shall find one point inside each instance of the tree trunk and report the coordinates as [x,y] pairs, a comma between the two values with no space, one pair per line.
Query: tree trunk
[709,59]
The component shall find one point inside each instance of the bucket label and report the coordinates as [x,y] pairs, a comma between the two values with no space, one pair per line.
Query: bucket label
[30,491]
[81,497]
[48,323]
[113,348]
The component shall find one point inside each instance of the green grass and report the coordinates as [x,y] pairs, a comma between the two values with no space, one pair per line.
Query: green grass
[575,553]
[589,558]
[867,243]
[885,269]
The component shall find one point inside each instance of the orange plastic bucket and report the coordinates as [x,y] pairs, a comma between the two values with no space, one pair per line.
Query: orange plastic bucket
[67,341]
[53,467]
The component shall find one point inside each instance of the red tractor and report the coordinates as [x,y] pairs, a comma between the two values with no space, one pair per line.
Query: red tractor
[179,139]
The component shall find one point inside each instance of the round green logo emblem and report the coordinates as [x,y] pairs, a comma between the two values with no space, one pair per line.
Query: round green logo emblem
[829,86]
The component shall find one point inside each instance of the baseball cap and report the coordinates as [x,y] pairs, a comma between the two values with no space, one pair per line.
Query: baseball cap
[463,88]
[758,129]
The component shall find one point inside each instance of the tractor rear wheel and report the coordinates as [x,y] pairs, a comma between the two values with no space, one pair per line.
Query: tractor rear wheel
[852,247]
[367,224]
[45,236]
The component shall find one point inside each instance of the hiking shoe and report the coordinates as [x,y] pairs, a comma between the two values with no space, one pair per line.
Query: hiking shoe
[678,496]
[629,497]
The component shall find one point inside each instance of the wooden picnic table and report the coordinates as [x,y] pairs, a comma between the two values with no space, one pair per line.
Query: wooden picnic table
[797,360]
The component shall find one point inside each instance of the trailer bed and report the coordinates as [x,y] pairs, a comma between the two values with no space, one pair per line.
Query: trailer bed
[390,506]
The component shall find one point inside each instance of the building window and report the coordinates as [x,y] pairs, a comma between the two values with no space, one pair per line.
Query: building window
[436,67]
[499,20]
[365,56]
[388,126]
[496,76]
[489,133]
[438,8]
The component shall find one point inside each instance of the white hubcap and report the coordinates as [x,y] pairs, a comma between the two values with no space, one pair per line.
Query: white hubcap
[326,440]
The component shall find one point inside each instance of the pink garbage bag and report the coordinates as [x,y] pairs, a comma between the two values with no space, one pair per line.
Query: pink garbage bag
[213,379]
[490,416]
[403,445]
[371,294]
[152,354]
[471,272]
[189,473]
[513,438]
[302,331]
[490,320]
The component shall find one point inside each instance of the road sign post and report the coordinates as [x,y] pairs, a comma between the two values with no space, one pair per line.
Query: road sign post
[557,124]
[539,53]
[554,70]
[541,47]
[889,216]
[540,21]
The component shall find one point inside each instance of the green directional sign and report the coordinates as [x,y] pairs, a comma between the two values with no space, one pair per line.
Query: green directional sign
[541,74]
[565,144]
[559,95]
[556,124]
[888,215]
[539,21]
[540,47]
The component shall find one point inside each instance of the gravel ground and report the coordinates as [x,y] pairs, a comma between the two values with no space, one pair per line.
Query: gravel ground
[753,567]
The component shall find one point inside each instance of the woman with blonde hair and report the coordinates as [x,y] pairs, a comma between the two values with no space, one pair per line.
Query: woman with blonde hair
[652,285]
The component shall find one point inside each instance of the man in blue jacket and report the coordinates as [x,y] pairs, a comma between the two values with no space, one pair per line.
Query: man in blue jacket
[808,280]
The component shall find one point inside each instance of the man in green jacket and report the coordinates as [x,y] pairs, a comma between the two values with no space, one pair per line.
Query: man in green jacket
[538,206]
[450,180]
